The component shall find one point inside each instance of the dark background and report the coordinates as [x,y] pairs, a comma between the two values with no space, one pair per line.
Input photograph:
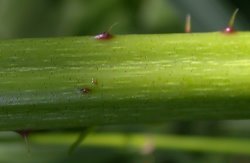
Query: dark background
[47,18]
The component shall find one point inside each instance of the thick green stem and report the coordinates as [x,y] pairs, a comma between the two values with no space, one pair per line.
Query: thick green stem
[137,79]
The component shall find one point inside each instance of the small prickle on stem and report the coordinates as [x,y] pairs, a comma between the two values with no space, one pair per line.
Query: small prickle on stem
[85,90]
[188,24]
[106,35]
[80,138]
[230,28]
[103,36]
[24,134]
[94,81]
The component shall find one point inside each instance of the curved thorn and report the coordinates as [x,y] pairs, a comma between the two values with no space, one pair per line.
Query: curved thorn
[232,19]
[112,26]
[79,140]
[24,134]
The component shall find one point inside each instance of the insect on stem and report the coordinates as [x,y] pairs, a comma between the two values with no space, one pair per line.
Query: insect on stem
[188,24]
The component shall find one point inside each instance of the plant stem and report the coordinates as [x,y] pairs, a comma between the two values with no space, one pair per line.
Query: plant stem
[138,79]
[164,142]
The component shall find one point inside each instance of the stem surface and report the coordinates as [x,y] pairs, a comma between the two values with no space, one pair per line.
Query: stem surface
[138,79]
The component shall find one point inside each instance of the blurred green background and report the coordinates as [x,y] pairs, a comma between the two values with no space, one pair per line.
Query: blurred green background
[57,18]
[47,18]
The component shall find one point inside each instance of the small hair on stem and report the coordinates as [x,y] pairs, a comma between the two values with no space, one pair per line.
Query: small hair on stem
[230,28]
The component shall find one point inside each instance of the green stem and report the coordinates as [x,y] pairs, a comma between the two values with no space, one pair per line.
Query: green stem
[164,142]
[139,79]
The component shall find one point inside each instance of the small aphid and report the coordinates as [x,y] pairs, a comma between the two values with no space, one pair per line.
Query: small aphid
[94,81]
[105,35]
[188,24]
[85,90]
[230,28]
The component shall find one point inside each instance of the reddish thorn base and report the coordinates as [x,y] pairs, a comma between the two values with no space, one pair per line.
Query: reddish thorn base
[23,133]
[103,36]
[229,30]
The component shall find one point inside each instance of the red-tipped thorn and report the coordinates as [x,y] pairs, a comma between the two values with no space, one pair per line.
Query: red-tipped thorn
[230,28]
[103,36]
[188,24]
[106,35]
[25,134]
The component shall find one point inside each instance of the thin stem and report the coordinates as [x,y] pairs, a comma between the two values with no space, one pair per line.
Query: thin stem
[162,142]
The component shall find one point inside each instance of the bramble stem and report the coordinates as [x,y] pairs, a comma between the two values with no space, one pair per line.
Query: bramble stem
[139,79]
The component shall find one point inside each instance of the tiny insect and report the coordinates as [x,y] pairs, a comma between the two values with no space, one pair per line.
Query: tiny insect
[188,24]
[85,90]
[230,28]
[105,35]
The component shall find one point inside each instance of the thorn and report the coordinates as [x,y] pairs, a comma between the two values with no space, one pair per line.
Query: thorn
[112,26]
[232,19]
[103,36]
[230,27]
[94,81]
[79,140]
[188,24]
[106,35]
[85,90]
[24,134]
